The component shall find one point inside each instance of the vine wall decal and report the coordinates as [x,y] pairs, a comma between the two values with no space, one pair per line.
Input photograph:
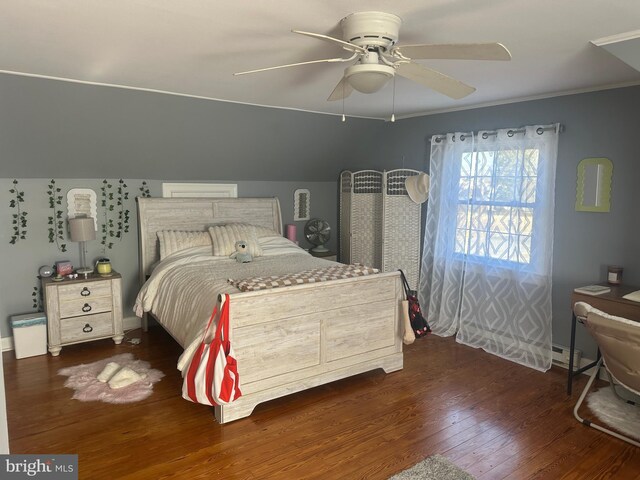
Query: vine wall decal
[123,213]
[115,214]
[144,190]
[19,219]
[106,197]
[56,223]
[35,299]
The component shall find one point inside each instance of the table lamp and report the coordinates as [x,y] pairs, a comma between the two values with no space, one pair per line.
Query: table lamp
[82,229]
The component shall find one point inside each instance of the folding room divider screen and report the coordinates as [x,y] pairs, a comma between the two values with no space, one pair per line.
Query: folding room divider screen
[379,223]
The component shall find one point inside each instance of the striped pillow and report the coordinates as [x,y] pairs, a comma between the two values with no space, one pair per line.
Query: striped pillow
[172,241]
[224,238]
[260,231]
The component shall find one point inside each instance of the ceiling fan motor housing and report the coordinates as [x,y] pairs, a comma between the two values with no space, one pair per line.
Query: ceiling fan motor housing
[371,29]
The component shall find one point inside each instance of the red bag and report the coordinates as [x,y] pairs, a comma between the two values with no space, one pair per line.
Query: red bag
[212,375]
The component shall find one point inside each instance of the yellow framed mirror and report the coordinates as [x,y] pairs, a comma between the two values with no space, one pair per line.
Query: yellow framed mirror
[593,192]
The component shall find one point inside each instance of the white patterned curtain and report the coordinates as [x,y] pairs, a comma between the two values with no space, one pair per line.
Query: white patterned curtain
[486,267]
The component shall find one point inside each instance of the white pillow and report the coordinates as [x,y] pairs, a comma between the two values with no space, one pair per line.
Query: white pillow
[277,245]
[265,232]
[224,238]
[172,241]
[259,230]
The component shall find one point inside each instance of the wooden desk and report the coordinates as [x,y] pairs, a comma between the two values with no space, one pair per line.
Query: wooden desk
[611,303]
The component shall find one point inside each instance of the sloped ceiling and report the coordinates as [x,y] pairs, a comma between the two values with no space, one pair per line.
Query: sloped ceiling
[193,47]
[625,46]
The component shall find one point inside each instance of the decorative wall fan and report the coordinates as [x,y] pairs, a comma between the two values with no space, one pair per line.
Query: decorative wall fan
[371,38]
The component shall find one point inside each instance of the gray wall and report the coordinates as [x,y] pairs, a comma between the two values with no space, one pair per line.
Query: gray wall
[80,135]
[51,129]
[66,131]
[599,124]
[21,261]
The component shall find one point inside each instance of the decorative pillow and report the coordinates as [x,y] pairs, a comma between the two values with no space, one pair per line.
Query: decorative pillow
[172,241]
[224,238]
[259,230]
[265,232]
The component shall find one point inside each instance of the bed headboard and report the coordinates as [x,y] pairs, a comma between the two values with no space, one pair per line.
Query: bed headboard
[156,214]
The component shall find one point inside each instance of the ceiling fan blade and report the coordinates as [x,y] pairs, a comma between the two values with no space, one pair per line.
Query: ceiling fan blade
[326,60]
[435,80]
[346,45]
[456,51]
[343,90]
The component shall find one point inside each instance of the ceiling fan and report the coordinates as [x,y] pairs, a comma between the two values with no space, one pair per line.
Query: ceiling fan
[371,38]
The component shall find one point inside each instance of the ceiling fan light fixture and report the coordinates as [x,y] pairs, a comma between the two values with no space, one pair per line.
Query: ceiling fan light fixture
[367,78]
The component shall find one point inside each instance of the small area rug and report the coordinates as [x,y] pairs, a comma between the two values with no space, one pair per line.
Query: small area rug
[82,379]
[614,412]
[435,467]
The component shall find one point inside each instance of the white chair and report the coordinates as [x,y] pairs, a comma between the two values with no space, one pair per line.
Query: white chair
[619,342]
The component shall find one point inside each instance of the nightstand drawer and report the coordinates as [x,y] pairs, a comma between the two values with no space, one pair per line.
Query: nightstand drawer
[82,290]
[86,328]
[85,306]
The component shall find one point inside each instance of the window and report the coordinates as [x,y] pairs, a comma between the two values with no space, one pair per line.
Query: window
[496,204]
[223,190]
[488,242]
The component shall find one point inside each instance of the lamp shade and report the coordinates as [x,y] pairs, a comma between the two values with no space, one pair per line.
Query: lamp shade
[82,229]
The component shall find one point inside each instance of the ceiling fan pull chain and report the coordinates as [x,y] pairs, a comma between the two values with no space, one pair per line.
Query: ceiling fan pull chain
[344,119]
[393,106]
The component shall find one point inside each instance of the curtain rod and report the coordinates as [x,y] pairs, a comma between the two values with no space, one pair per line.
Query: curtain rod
[510,133]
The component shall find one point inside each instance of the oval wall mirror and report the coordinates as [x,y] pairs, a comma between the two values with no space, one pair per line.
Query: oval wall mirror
[593,192]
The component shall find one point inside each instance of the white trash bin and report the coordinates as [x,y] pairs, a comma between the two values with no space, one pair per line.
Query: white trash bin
[29,334]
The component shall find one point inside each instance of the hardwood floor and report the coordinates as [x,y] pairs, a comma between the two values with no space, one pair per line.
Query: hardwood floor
[491,417]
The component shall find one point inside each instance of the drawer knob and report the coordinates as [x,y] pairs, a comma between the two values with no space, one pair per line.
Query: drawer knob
[86,308]
[85,292]
[87,328]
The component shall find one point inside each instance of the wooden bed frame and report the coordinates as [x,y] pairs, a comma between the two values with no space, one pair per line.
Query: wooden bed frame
[293,338]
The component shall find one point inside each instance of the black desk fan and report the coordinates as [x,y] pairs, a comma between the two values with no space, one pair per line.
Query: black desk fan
[317,232]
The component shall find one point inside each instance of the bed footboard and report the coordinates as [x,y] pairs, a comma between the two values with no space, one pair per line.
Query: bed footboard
[290,339]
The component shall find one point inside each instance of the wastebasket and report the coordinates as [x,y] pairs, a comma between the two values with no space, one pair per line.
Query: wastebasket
[29,334]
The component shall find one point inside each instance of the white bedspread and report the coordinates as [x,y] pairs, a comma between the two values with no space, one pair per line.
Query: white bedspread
[184,287]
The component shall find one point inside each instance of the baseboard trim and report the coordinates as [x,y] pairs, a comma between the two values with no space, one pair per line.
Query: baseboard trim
[131,323]
[7,344]
[602,375]
[128,323]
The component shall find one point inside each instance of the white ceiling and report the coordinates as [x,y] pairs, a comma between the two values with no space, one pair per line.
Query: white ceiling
[193,47]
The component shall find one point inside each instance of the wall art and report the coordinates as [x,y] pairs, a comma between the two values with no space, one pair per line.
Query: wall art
[55,222]
[36,299]
[19,217]
[144,190]
[115,214]
[301,204]
[82,202]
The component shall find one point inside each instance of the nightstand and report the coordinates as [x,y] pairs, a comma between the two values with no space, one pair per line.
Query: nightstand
[83,310]
[333,256]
